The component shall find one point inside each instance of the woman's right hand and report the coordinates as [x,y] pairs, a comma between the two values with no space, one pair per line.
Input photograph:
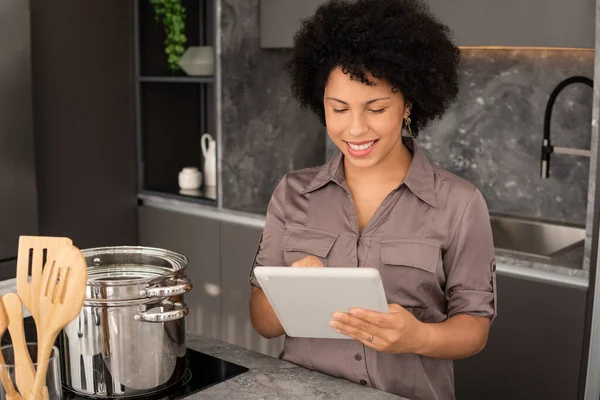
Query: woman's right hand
[308,262]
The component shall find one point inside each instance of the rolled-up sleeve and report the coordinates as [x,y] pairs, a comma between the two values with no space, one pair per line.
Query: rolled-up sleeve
[469,263]
[269,251]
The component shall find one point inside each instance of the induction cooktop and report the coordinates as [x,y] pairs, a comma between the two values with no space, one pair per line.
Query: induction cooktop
[202,371]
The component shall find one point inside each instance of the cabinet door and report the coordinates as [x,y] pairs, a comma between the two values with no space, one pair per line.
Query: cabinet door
[534,348]
[529,23]
[18,191]
[238,247]
[198,239]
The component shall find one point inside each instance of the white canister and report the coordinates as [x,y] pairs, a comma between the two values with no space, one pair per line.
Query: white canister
[190,178]
[209,150]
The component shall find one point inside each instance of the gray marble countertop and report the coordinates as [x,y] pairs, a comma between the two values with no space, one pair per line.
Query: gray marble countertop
[570,263]
[271,378]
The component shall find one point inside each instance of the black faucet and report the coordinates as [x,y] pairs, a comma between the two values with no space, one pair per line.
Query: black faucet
[547,147]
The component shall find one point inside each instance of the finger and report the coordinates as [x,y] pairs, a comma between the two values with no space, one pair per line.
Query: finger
[361,336]
[354,321]
[381,320]
[354,325]
[377,343]
[350,330]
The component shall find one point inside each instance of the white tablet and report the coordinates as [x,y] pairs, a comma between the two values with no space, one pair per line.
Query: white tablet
[305,299]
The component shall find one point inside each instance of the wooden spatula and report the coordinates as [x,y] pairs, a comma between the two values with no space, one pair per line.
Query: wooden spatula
[11,393]
[32,256]
[63,292]
[24,370]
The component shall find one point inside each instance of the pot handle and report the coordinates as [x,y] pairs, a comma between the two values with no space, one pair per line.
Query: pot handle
[183,284]
[180,310]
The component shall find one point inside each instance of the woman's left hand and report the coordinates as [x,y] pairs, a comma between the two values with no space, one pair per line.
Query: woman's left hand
[396,332]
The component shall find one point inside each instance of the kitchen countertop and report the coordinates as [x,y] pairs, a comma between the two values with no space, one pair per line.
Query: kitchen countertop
[568,263]
[271,378]
[267,378]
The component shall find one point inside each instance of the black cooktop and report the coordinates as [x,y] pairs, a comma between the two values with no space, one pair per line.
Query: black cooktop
[202,371]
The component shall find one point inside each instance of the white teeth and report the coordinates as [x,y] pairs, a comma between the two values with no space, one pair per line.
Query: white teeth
[360,147]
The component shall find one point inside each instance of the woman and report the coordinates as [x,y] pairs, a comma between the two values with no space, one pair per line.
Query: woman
[371,69]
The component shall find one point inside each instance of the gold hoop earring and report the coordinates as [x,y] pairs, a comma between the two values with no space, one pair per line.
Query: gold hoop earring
[407,122]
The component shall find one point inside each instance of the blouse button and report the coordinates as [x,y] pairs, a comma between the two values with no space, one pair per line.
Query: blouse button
[363,382]
[357,357]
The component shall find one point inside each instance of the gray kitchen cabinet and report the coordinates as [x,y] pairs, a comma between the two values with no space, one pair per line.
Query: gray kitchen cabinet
[532,23]
[238,247]
[198,239]
[534,348]
[220,256]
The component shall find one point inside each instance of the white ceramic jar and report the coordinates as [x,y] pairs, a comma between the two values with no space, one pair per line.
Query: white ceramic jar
[190,178]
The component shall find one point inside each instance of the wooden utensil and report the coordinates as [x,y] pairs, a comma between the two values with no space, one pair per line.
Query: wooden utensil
[32,255]
[24,370]
[11,393]
[64,281]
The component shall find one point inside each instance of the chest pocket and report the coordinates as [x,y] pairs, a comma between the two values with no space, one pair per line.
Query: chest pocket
[299,242]
[408,270]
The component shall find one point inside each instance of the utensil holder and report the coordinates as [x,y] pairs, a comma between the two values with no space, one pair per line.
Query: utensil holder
[53,377]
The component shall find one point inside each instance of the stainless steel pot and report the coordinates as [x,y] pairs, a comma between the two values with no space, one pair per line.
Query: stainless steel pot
[129,339]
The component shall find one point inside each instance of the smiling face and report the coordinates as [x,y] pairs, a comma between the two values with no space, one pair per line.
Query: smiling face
[365,122]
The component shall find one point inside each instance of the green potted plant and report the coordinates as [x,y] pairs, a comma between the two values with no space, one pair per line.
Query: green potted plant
[171,13]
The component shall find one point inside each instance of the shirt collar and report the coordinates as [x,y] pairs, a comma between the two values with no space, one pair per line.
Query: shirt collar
[420,178]
[331,171]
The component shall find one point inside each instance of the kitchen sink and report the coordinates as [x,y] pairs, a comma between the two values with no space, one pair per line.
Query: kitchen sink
[529,237]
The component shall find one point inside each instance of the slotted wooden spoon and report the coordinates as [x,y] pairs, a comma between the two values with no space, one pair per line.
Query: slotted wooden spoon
[24,370]
[64,282]
[9,388]
[32,255]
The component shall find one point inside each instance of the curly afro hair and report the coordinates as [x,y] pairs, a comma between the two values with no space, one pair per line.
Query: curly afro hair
[398,41]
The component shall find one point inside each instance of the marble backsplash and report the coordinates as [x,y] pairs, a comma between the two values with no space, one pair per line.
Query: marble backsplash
[265,133]
[491,136]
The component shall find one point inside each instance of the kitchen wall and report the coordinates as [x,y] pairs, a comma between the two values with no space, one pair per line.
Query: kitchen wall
[491,136]
[265,133]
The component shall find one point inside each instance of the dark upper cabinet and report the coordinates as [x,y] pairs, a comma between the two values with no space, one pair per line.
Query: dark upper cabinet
[18,189]
[531,23]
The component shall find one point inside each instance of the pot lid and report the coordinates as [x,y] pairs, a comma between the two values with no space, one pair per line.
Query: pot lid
[131,265]
[125,274]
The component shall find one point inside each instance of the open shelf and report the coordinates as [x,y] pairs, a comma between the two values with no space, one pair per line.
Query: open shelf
[152,58]
[173,110]
[176,195]
[171,125]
